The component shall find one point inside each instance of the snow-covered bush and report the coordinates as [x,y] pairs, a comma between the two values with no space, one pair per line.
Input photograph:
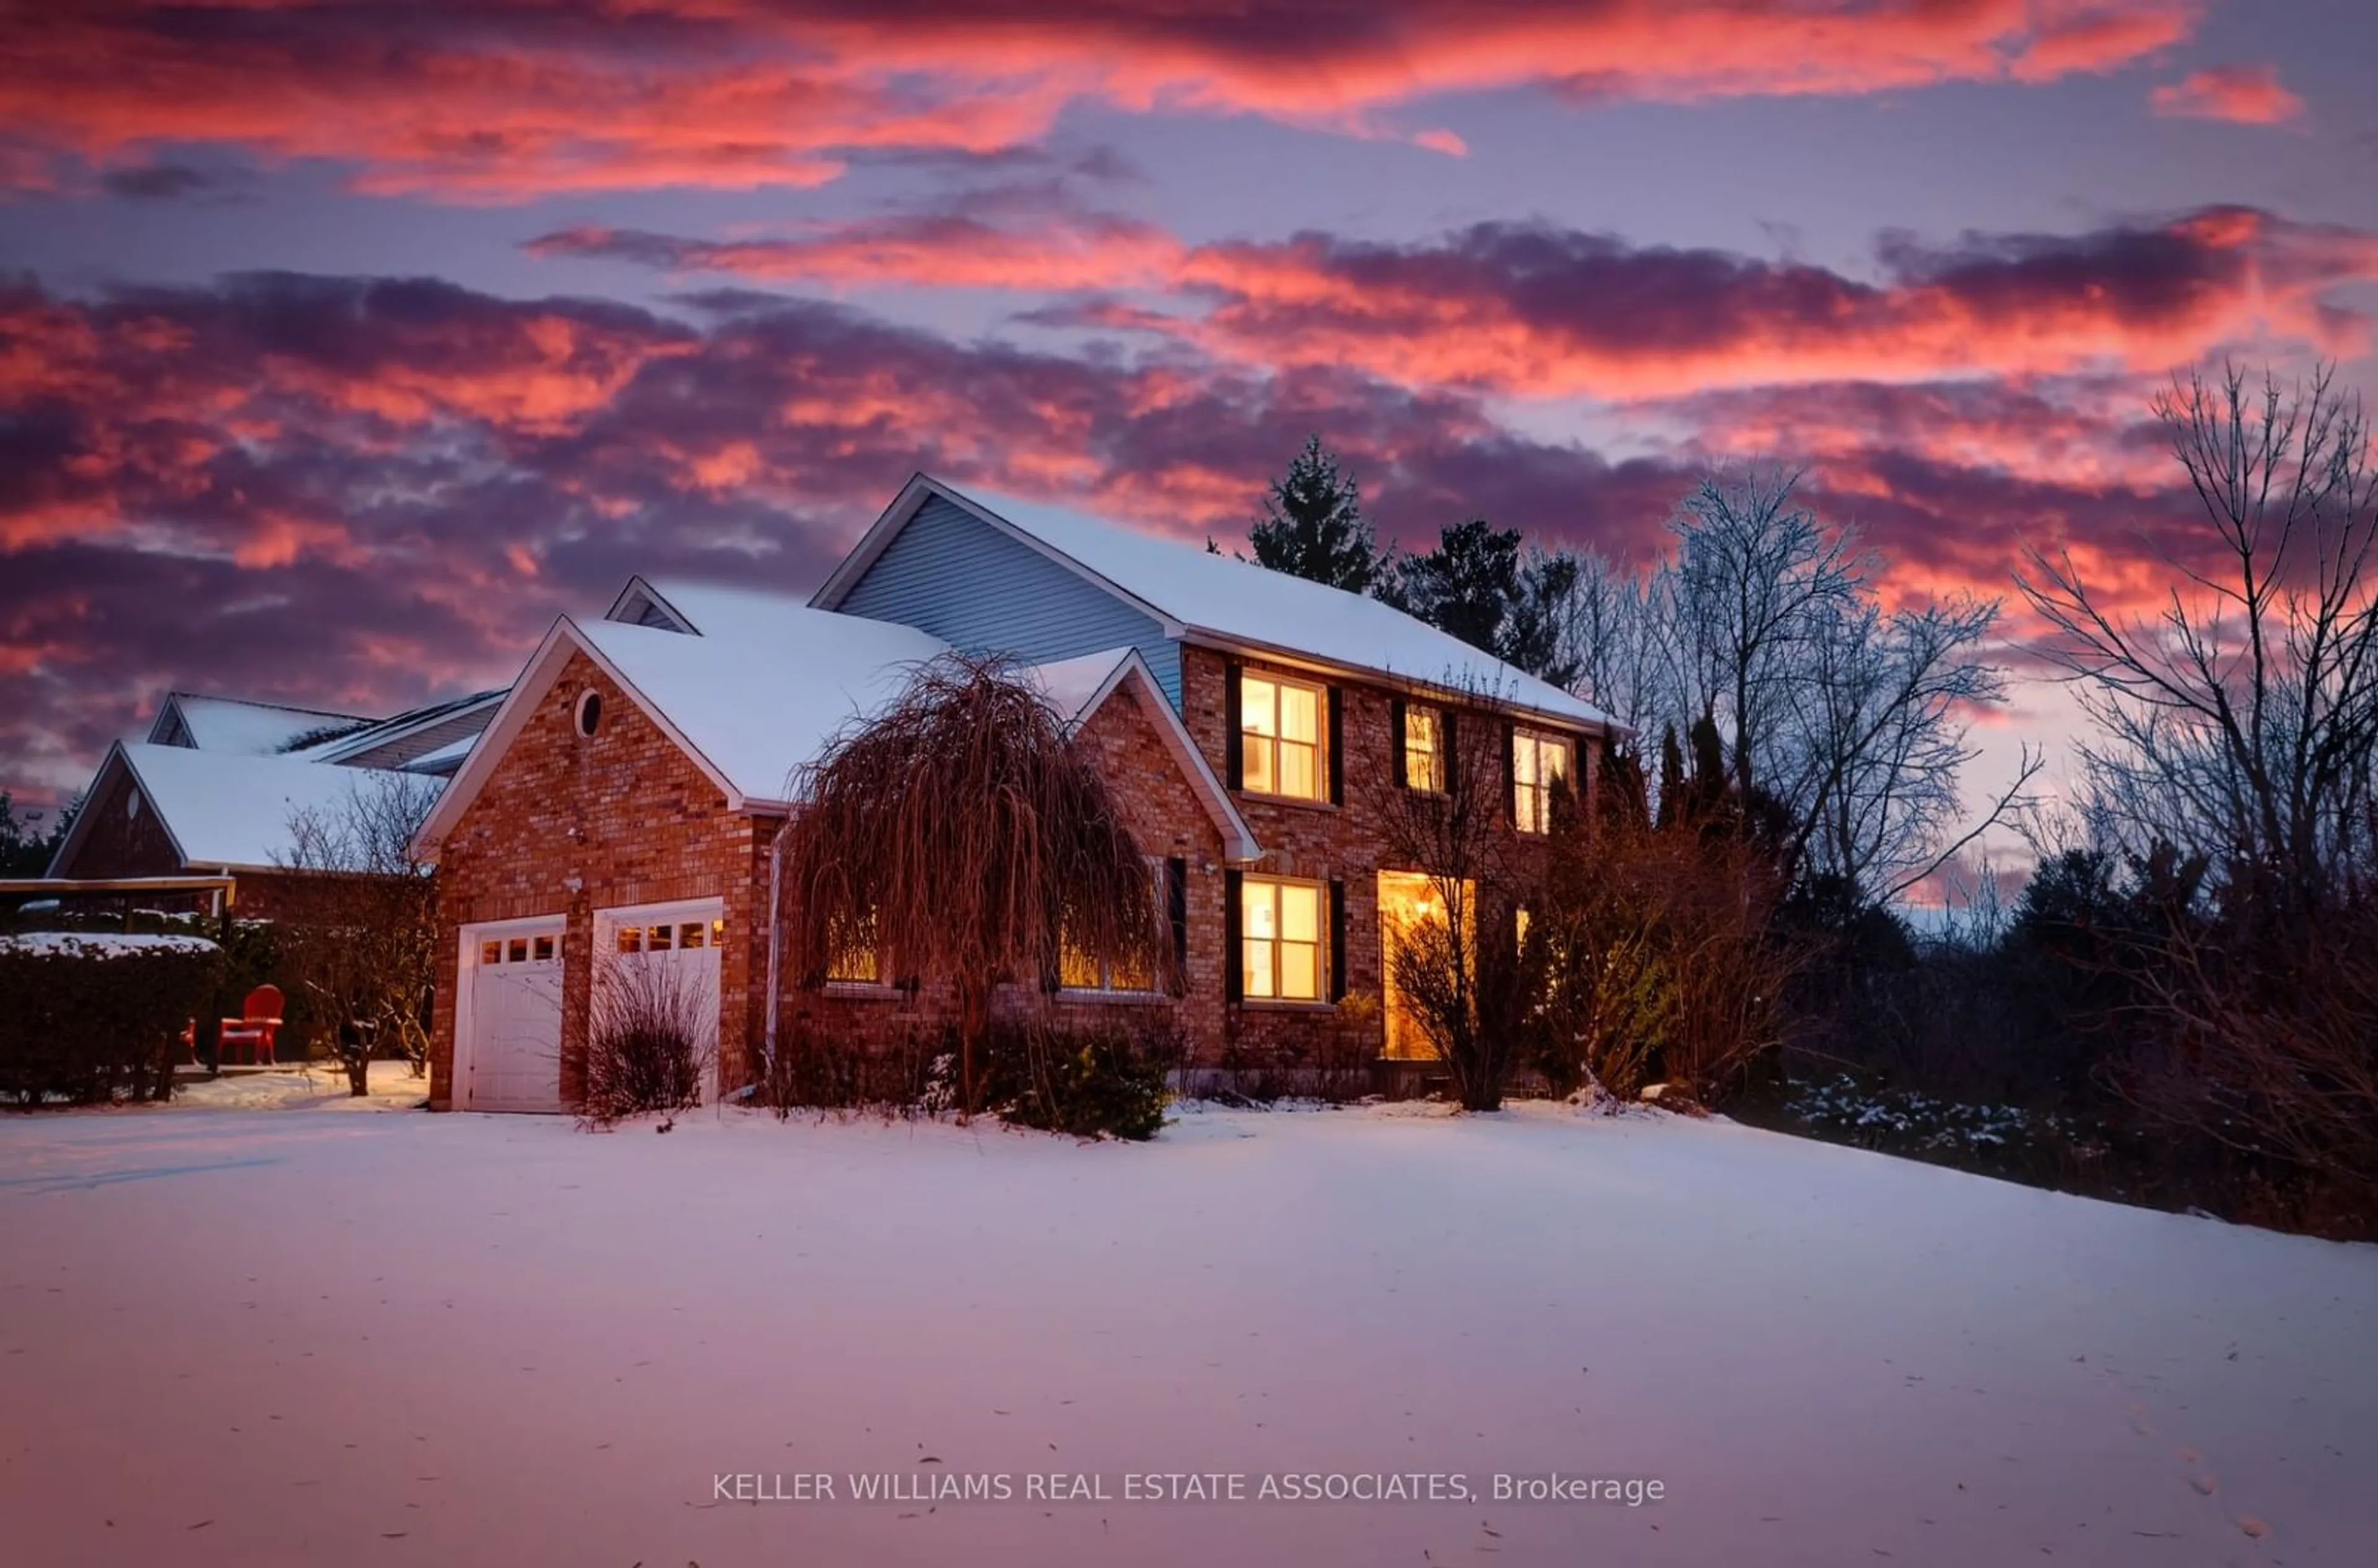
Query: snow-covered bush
[86,1019]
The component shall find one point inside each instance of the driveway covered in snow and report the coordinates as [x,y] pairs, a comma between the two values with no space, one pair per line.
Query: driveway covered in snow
[290,1338]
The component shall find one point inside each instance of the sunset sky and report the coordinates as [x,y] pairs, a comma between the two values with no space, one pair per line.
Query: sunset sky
[341,346]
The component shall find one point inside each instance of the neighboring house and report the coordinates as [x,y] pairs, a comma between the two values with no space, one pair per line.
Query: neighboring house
[213,788]
[626,796]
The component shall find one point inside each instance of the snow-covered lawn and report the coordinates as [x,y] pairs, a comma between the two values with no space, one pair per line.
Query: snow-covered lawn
[266,1338]
[315,1087]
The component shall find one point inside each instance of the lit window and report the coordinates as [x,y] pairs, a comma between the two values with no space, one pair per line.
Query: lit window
[857,963]
[631,938]
[1423,748]
[519,950]
[491,953]
[1280,929]
[657,937]
[1538,761]
[1279,724]
[718,933]
[692,934]
[543,949]
[1077,971]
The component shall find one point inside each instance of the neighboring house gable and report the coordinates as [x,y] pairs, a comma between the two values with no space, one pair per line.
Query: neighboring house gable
[158,810]
[231,724]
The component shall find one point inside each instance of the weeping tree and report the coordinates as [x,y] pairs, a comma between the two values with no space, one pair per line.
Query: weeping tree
[963,837]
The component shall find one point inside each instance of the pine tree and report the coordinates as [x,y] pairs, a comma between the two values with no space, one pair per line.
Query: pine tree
[1466,586]
[1313,525]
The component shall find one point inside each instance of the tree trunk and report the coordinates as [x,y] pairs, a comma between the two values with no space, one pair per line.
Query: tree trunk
[973,1007]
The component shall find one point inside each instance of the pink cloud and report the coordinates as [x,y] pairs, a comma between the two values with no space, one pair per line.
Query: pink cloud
[2247,95]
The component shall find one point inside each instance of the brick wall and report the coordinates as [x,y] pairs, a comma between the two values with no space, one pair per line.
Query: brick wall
[569,824]
[1313,839]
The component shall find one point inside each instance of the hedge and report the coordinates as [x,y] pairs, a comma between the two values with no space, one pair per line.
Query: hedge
[86,1019]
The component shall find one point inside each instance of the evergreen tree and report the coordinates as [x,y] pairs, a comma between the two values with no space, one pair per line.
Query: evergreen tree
[1313,525]
[1466,586]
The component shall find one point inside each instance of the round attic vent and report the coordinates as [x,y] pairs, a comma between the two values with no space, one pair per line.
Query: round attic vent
[590,711]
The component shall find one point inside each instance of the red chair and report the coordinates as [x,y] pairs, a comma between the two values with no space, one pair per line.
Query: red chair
[260,1020]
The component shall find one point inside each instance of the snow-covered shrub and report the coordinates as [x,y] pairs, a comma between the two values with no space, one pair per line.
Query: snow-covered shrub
[648,1039]
[84,1019]
[1103,1081]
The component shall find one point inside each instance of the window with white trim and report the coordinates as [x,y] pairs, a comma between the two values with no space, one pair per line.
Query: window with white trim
[1538,761]
[1280,939]
[1279,736]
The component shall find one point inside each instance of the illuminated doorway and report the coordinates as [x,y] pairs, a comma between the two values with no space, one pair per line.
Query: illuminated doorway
[1406,898]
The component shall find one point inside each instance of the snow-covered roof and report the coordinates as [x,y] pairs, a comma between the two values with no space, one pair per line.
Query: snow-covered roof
[224,808]
[1220,599]
[755,685]
[234,724]
[765,681]
[100,944]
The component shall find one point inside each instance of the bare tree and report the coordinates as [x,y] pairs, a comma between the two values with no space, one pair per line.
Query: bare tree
[1756,577]
[360,919]
[1615,632]
[1876,713]
[1457,968]
[962,834]
[2241,719]
[651,1038]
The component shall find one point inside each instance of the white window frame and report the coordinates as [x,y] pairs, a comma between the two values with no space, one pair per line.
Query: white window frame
[1270,744]
[1280,940]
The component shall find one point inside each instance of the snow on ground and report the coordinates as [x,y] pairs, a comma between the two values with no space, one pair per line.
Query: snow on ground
[319,1087]
[269,1339]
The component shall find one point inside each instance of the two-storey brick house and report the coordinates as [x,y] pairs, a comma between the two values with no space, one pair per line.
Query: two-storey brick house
[627,793]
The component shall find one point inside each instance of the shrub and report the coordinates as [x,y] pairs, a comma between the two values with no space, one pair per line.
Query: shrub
[1103,1081]
[85,1020]
[814,1072]
[648,1040]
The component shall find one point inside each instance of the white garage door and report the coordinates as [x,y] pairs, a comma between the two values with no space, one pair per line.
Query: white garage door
[682,943]
[508,1043]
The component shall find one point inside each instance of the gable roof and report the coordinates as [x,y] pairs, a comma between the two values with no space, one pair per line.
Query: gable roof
[224,808]
[1075,688]
[758,685]
[1223,601]
[187,719]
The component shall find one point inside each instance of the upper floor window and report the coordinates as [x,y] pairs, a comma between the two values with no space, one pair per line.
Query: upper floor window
[1537,762]
[1279,933]
[1279,724]
[1423,748]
